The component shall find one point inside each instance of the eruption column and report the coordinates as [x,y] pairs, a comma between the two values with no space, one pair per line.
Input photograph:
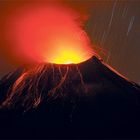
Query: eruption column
[50,34]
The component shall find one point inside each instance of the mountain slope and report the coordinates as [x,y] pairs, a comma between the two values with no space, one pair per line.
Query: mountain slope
[91,100]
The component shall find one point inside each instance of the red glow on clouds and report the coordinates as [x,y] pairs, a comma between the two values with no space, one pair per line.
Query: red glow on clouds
[48,34]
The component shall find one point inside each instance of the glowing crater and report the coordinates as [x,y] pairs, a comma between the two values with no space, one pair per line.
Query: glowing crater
[50,34]
[69,57]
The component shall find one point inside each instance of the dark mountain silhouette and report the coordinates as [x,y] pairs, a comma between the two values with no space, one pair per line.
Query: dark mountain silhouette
[92,101]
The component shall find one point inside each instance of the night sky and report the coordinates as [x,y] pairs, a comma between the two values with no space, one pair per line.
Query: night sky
[113,27]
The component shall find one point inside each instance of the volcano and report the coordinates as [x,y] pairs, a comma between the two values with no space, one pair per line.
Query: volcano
[83,100]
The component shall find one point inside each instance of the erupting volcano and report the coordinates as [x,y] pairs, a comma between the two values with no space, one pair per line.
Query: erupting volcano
[69,87]
[52,38]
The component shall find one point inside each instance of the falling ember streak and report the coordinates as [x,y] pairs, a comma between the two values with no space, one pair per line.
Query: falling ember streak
[81,77]
[130,25]
[124,11]
[63,78]
[112,14]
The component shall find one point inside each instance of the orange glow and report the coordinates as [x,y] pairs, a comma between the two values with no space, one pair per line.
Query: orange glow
[69,56]
[49,34]
[67,51]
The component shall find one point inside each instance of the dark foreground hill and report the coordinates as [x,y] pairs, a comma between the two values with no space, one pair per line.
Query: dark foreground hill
[88,100]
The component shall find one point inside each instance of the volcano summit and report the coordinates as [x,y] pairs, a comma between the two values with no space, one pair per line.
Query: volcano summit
[89,97]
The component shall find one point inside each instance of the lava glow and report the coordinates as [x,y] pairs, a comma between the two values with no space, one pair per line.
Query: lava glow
[49,34]
[46,35]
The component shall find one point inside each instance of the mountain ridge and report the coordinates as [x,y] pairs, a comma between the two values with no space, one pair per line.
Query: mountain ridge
[92,99]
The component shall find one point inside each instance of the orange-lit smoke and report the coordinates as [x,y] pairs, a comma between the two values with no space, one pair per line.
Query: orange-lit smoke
[49,34]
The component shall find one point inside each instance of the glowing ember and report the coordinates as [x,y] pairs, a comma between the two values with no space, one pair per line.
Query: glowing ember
[48,34]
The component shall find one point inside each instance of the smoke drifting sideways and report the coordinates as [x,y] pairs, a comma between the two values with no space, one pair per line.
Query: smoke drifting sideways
[47,34]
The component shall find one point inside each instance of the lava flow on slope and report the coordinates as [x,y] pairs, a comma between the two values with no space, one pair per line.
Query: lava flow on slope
[85,95]
[28,88]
